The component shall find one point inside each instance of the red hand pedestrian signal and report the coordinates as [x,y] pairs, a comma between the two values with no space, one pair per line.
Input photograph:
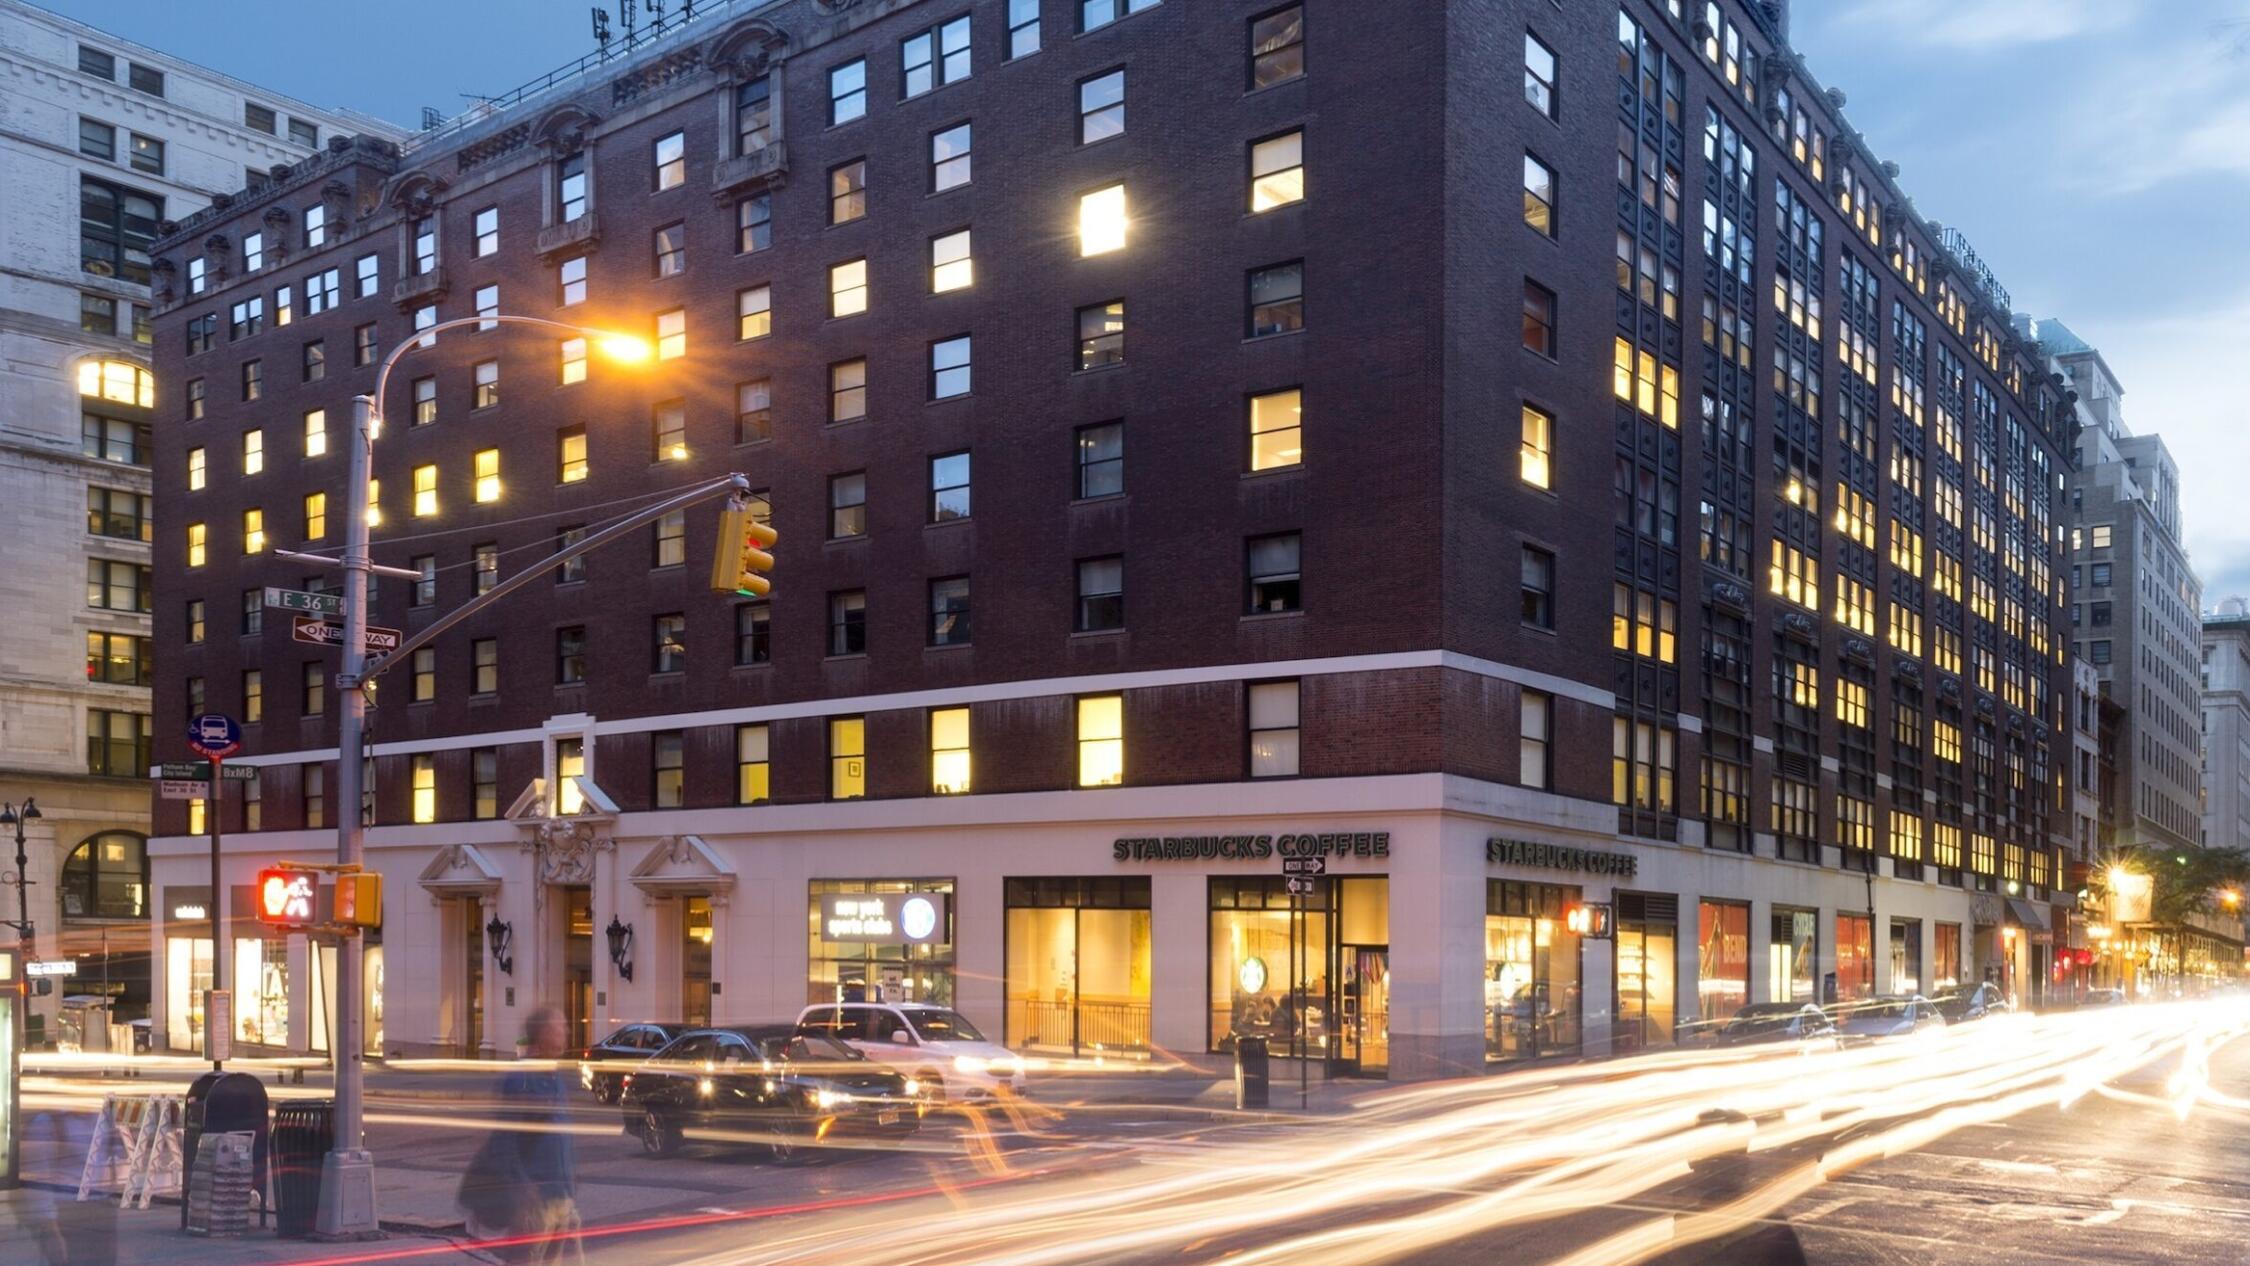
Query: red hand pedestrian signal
[288,898]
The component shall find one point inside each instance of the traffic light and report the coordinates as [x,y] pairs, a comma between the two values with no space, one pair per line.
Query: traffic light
[359,899]
[288,898]
[741,561]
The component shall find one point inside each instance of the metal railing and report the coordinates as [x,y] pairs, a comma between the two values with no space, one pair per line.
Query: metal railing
[1078,1027]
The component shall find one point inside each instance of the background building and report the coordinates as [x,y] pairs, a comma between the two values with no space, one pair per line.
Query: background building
[101,141]
[2226,725]
[1160,495]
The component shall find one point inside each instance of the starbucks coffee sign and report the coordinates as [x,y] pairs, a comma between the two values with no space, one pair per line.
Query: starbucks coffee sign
[1585,861]
[1250,848]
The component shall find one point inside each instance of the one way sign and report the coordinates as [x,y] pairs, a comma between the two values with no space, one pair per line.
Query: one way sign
[320,632]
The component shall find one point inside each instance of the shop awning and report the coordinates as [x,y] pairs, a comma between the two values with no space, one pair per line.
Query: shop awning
[2031,918]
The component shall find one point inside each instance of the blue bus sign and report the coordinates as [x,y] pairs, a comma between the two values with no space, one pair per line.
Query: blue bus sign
[215,735]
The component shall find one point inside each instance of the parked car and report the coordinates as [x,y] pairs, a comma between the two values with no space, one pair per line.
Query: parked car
[1894,1016]
[2106,998]
[1774,1022]
[936,1045]
[602,1066]
[1974,1003]
[790,1088]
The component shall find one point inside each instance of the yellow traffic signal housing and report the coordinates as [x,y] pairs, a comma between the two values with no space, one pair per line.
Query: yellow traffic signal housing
[359,899]
[739,564]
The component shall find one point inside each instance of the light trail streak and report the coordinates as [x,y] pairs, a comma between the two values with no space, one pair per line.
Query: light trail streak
[1422,1166]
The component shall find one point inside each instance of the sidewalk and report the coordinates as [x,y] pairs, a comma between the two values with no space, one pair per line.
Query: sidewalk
[34,1220]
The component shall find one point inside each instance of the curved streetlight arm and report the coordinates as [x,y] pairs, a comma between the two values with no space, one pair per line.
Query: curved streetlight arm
[428,338]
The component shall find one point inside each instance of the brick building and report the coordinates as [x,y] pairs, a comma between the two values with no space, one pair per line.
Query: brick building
[1159,496]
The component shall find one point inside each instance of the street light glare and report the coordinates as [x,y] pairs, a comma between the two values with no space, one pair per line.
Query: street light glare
[624,348]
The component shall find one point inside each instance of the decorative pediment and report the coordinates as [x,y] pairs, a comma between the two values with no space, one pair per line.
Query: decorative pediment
[562,131]
[416,193]
[460,870]
[682,863]
[565,844]
[746,50]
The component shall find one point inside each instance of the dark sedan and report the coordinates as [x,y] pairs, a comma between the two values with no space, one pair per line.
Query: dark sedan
[1975,1003]
[1774,1022]
[602,1066]
[768,1084]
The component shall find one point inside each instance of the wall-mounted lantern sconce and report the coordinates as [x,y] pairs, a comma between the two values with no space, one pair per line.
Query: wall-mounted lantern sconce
[500,935]
[620,947]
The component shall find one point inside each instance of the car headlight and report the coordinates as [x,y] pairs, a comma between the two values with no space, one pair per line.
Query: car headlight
[913,1086]
[970,1064]
[827,1099]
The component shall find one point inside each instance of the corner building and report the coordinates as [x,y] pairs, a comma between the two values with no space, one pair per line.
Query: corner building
[1160,498]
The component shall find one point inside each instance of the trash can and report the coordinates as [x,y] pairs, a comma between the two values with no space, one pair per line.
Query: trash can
[303,1132]
[1252,1073]
[224,1103]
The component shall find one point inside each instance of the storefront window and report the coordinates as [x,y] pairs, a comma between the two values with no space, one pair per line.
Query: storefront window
[1906,956]
[1946,971]
[187,973]
[1532,1003]
[1793,956]
[261,991]
[695,960]
[320,997]
[1855,957]
[872,971]
[1078,964]
[1722,982]
[1648,969]
[1254,961]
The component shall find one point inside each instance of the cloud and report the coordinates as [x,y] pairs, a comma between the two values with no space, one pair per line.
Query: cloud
[1993,24]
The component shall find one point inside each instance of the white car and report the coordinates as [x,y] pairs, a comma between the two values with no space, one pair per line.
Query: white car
[935,1045]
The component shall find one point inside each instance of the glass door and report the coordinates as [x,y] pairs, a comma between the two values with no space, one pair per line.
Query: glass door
[1364,1006]
[695,960]
[578,964]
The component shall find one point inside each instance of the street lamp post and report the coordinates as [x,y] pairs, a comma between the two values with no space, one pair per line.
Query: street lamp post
[347,1179]
[19,817]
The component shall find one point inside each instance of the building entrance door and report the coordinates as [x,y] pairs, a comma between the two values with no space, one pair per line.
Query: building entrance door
[578,963]
[1364,1011]
[471,984]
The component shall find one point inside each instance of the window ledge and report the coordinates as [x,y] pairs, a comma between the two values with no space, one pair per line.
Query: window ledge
[671,674]
[1096,634]
[950,646]
[1273,472]
[763,666]
[1103,499]
[1284,335]
[938,400]
[845,540]
[1255,617]
[849,655]
[946,523]
[1113,367]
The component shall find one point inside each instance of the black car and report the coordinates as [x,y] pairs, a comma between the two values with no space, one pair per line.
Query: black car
[602,1066]
[1774,1022]
[1974,1003]
[774,1085]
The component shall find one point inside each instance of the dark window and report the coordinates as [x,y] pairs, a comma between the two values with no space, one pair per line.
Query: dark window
[1538,587]
[146,79]
[670,638]
[1538,75]
[485,566]
[202,331]
[1023,28]
[1101,107]
[1275,583]
[484,782]
[753,115]
[316,360]
[1277,299]
[667,771]
[93,61]
[847,622]
[97,314]
[671,540]
[1101,335]
[570,188]
[424,235]
[117,743]
[115,228]
[484,666]
[1538,195]
[847,505]
[424,592]
[1277,46]
[572,570]
[753,633]
[195,399]
[949,487]
[118,513]
[1538,318]
[847,390]
[425,401]
[303,133]
[753,411]
[949,368]
[1101,459]
[847,92]
[253,611]
[949,158]
[670,155]
[114,439]
[937,56]
[753,222]
[312,690]
[1101,594]
[1100,13]
[671,250]
[260,118]
[570,655]
[949,611]
[97,140]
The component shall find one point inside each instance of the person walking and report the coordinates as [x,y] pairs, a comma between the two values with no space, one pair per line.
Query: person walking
[521,1188]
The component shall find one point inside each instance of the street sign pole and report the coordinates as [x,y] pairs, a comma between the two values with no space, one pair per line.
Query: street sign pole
[212,1042]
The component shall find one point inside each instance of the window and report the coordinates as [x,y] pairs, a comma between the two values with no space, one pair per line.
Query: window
[304,133]
[97,140]
[951,267]
[315,788]
[116,586]
[573,354]
[847,92]
[1102,221]
[753,115]
[847,758]
[1538,587]
[937,56]
[570,655]
[671,250]
[1277,430]
[118,380]
[847,391]
[847,191]
[1535,731]
[753,312]
[1277,171]
[1538,75]
[485,385]
[949,158]
[1023,28]
[116,226]
[573,569]
[847,622]
[1273,729]
[847,506]
[752,770]
[117,743]
[1536,464]
[949,368]
[753,634]
[1273,573]
[253,451]
[363,344]
[313,361]
[114,512]
[949,611]
[1101,459]
[670,638]
[424,592]
[484,782]
[484,567]
[246,318]
[146,79]
[753,411]
[101,65]
[114,439]
[570,280]
[949,487]
[425,491]
[671,540]
[1277,299]
[1538,195]
[118,659]
[198,537]
[316,515]
[195,621]
[1277,47]
[425,675]
[197,274]
[488,307]
[425,401]
[668,431]
[1538,318]
[1101,107]
[671,160]
[195,469]
[2101,535]
[667,772]
[202,331]
[570,188]
[487,475]
[1101,594]
[366,276]
[1101,741]
[425,318]
[316,226]
[671,334]
[1101,335]
[1100,13]
[260,118]
[147,154]
[253,252]
[253,531]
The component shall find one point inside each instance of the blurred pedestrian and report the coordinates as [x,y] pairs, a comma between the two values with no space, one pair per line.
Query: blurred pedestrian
[521,1187]
[64,1232]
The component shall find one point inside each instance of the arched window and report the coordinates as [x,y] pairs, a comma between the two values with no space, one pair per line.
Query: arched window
[107,878]
[118,380]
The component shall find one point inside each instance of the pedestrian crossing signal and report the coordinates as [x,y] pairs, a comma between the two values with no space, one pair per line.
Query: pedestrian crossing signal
[742,559]
[288,898]
[1587,919]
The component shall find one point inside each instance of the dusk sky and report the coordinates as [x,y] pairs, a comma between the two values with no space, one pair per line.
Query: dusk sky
[2092,150]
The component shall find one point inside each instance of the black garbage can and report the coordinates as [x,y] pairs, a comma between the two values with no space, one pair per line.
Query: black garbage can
[304,1130]
[1252,1073]
[223,1103]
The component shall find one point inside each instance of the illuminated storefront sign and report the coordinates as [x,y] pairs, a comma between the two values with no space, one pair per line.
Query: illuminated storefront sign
[1229,848]
[883,918]
[1560,857]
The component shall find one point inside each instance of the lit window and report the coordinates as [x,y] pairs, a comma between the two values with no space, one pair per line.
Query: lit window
[1101,741]
[488,474]
[316,515]
[1538,447]
[1538,195]
[1274,731]
[425,769]
[671,160]
[753,312]
[195,469]
[949,751]
[425,400]
[425,491]
[671,334]
[951,267]
[485,392]
[1277,430]
[1535,732]
[847,288]
[253,531]
[118,380]
[949,158]
[196,538]
[847,391]
[752,763]
[374,503]
[570,455]
[668,431]
[1101,335]
[1101,107]
[1102,220]
[668,759]
[573,360]
[316,432]
[1277,171]
[949,368]
[847,758]
[847,191]
[253,451]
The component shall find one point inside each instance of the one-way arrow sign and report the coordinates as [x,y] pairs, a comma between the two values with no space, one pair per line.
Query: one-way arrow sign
[320,632]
